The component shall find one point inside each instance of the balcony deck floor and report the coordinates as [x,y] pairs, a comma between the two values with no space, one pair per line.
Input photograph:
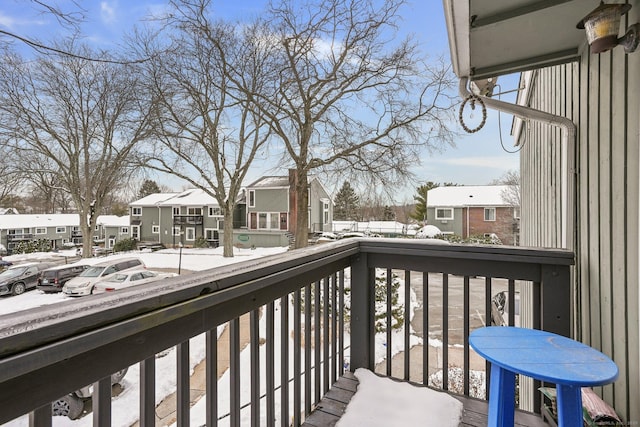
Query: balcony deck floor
[332,406]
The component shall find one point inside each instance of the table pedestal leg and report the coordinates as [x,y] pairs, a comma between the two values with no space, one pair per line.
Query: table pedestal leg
[569,406]
[501,397]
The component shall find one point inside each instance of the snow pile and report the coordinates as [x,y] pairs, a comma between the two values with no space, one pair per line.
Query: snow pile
[383,402]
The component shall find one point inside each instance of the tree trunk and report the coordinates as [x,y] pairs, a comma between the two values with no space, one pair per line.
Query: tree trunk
[302,209]
[87,236]
[227,248]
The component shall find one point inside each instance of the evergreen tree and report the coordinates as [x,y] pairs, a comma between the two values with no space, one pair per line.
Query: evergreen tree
[420,213]
[148,187]
[347,204]
[389,214]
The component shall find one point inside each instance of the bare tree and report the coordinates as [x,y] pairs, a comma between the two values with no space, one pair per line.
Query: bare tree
[9,175]
[85,117]
[350,96]
[511,194]
[208,131]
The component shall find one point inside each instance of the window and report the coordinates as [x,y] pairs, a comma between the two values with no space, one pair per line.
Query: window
[325,211]
[262,220]
[41,230]
[444,213]
[190,234]
[220,224]
[215,211]
[176,231]
[194,211]
[176,210]
[124,230]
[210,234]
[252,198]
[61,229]
[135,231]
[136,211]
[274,220]
[155,229]
[489,214]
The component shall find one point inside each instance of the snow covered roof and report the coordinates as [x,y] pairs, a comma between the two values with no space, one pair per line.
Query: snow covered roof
[271,182]
[191,197]
[113,221]
[38,220]
[152,199]
[467,195]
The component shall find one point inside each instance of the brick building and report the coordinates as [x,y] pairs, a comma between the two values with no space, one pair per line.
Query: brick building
[479,210]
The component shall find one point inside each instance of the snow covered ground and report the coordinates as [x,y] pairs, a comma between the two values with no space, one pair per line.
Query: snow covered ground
[125,405]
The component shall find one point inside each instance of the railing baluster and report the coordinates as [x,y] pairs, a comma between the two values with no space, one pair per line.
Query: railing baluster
[445,331]
[297,368]
[488,295]
[307,350]
[325,335]
[389,320]
[270,362]
[284,361]
[341,324]
[211,343]
[465,334]
[317,334]
[148,391]
[183,386]
[512,302]
[234,371]
[425,328]
[101,402]
[41,417]
[334,327]
[254,339]
[407,322]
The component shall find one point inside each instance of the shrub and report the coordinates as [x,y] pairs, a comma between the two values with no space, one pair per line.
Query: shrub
[32,246]
[201,242]
[124,245]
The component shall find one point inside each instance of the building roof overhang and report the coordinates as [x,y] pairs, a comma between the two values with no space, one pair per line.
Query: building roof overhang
[489,38]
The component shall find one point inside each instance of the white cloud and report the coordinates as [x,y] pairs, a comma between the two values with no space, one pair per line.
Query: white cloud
[6,21]
[108,11]
[496,162]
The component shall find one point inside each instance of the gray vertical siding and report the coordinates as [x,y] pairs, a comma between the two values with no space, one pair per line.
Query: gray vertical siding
[601,95]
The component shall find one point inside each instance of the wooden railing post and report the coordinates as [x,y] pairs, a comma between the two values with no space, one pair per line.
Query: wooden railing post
[362,314]
[556,310]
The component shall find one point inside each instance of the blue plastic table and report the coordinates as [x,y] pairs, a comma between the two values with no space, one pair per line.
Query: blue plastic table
[545,356]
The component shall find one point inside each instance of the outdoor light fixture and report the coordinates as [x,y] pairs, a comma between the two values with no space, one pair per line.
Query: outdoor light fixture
[602,26]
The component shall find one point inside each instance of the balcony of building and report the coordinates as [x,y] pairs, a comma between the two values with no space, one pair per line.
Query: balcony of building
[310,317]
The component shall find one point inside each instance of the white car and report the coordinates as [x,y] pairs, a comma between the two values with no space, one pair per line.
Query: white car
[127,279]
[83,284]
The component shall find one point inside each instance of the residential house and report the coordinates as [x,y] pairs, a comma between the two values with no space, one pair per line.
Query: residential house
[9,211]
[474,210]
[58,229]
[578,128]
[271,204]
[177,218]
[110,229]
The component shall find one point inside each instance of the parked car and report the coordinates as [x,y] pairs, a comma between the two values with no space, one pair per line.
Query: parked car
[72,405]
[19,278]
[53,279]
[83,283]
[127,279]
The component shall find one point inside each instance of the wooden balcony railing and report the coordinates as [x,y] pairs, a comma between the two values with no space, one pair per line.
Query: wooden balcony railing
[318,305]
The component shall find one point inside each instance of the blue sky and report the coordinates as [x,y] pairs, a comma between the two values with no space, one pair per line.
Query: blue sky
[476,159]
